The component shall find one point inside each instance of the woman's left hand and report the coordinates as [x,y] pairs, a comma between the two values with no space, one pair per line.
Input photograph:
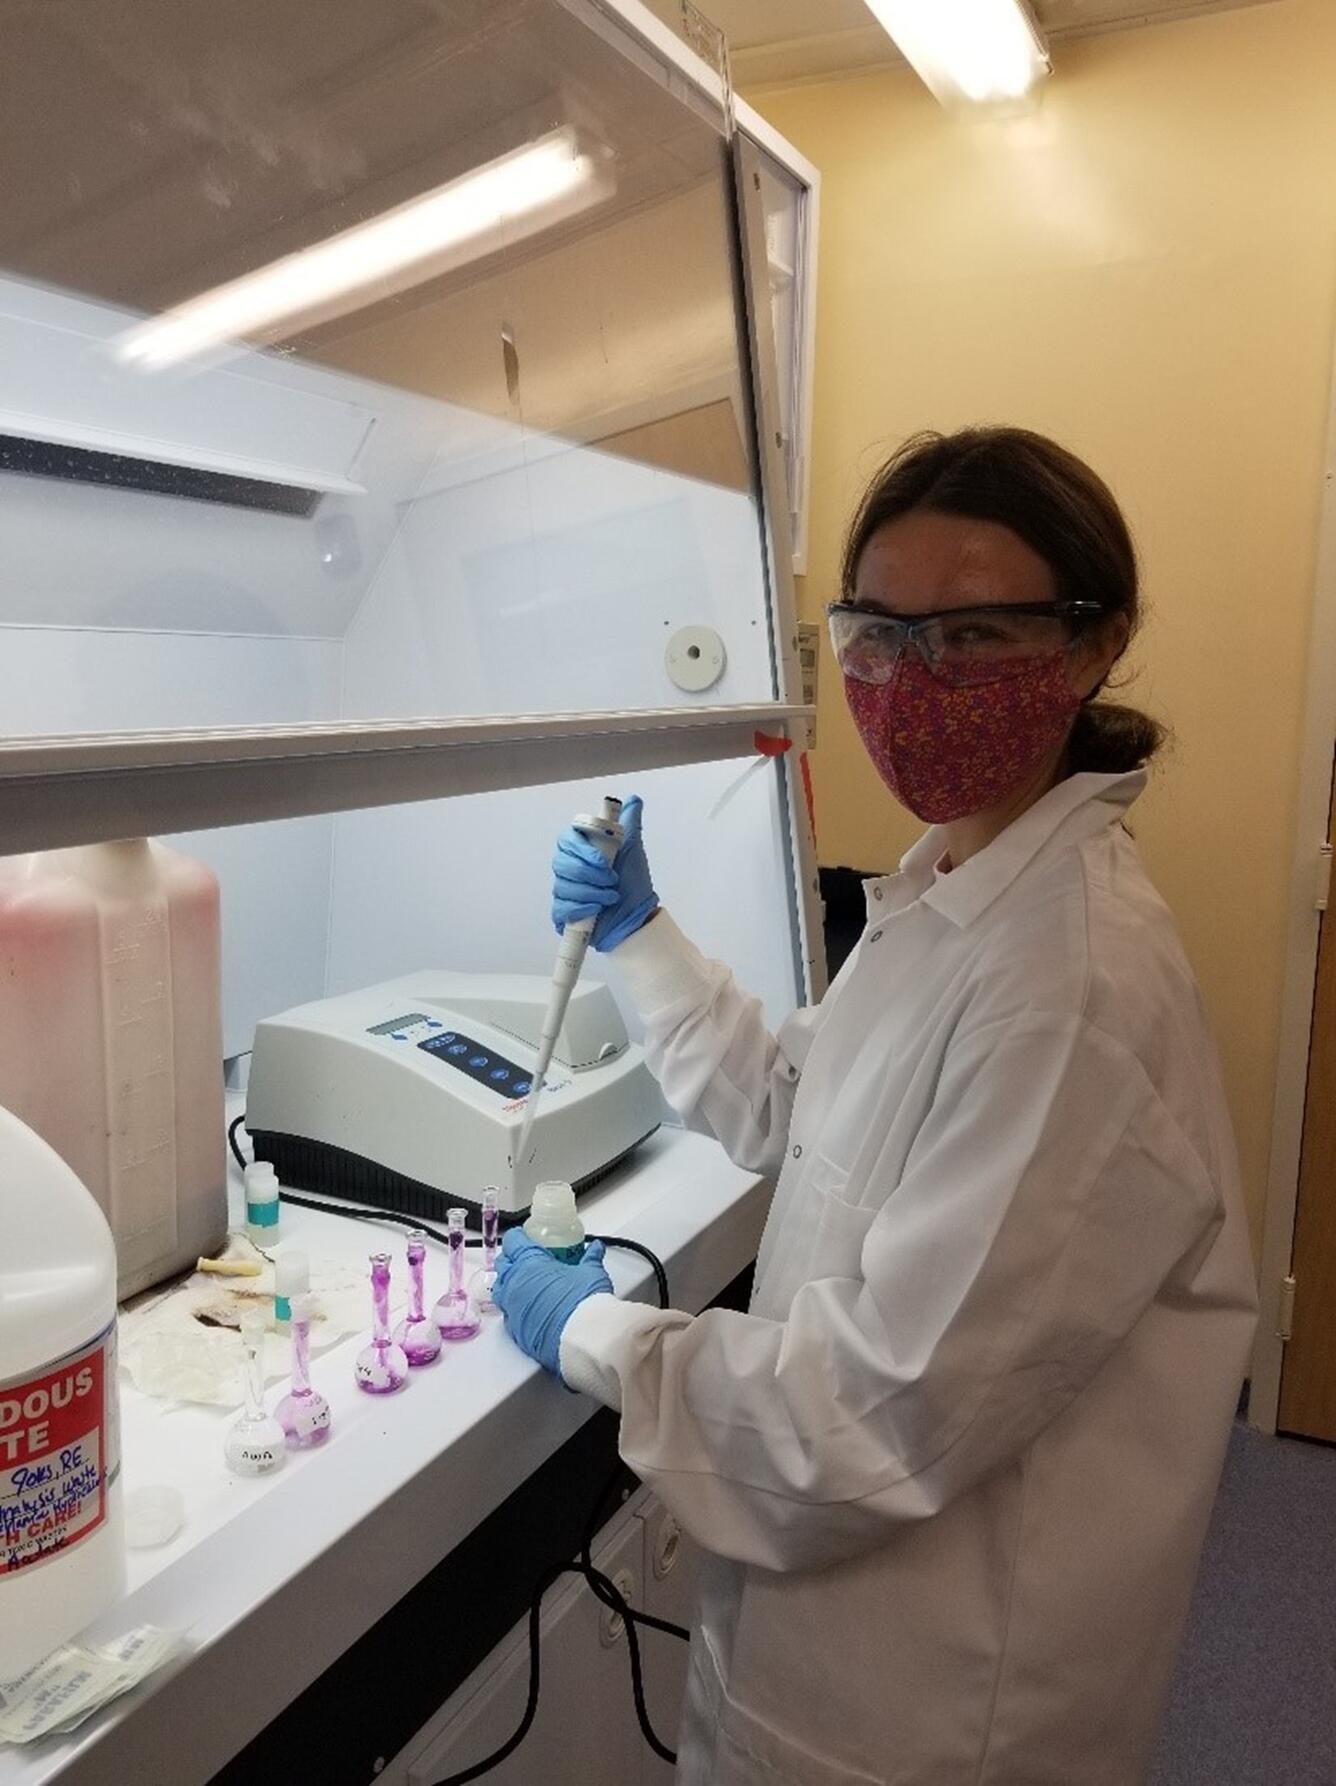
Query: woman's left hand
[538,1294]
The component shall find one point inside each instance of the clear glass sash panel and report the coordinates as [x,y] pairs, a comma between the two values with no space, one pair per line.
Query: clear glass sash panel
[363,362]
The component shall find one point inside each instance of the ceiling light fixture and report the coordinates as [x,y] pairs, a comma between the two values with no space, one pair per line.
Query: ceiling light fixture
[979,52]
[488,208]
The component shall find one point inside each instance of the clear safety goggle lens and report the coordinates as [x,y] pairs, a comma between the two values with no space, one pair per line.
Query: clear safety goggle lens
[965,642]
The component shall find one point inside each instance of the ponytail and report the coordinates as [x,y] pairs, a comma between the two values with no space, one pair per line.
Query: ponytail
[1110,739]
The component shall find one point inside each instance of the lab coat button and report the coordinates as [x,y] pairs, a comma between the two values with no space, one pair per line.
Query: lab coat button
[797,1150]
[876,892]
[875,937]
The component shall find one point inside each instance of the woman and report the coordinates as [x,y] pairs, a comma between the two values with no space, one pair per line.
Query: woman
[954,1468]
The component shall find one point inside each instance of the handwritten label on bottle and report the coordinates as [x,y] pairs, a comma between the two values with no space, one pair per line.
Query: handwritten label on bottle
[57,1455]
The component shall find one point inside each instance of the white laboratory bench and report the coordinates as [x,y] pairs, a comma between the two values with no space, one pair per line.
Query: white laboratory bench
[272,1580]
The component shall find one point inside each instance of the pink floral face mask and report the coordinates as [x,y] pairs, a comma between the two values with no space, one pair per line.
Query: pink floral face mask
[947,749]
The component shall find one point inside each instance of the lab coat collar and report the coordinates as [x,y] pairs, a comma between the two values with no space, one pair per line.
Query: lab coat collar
[1079,807]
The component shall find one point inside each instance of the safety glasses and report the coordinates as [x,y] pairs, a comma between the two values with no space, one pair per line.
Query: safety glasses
[958,644]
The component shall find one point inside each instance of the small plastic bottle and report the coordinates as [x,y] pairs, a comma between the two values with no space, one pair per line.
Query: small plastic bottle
[262,1203]
[553,1222]
[292,1278]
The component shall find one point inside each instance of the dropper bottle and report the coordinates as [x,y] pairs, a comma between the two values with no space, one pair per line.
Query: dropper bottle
[262,1203]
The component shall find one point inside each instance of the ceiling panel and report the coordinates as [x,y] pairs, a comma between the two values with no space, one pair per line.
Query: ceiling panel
[787,40]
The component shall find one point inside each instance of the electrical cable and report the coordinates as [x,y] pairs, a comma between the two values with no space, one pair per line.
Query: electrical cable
[591,1532]
[353,1211]
[358,1214]
[634,1246]
[603,1590]
[237,1122]
[601,1586]
[611,1597]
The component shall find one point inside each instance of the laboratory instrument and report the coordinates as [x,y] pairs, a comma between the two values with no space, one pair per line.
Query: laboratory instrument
[303,1412]
[418,1333]
[456,1313]
[58,1408]
[381,1367]
[554,1224]
[292,1278]
[262,1205]
[409,1095]
[132,1104]
[255,1443]
[605,833]
[484,1279]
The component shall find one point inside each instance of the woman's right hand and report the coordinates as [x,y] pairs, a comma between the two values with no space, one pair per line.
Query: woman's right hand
[619,895]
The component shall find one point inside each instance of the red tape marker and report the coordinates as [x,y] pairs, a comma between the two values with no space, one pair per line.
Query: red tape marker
[771,747]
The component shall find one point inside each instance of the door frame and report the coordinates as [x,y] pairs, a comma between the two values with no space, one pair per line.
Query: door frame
[1317,750]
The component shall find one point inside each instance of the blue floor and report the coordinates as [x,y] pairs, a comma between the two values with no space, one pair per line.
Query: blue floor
[1254,1700]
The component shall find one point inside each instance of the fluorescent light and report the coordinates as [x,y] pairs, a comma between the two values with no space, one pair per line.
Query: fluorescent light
[979,51]
[492,205]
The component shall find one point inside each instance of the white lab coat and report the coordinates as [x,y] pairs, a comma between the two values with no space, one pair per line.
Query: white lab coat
[955,1466]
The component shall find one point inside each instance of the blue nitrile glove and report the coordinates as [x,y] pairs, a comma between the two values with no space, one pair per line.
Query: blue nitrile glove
[620,895]
[537,1294]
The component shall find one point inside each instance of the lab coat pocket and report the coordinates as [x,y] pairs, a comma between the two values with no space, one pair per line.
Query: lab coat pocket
[817,1235]
[841,1227]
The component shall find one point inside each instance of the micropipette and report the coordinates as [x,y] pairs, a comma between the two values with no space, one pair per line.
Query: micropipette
[606,834]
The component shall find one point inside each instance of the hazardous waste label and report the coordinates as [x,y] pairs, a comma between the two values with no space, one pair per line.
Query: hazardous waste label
[57,1455]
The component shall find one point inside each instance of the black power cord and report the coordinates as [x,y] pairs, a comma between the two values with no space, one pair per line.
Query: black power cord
[357,1213]
[603,1588]
[353,1211]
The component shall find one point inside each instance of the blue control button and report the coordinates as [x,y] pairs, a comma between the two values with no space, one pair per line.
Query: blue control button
[463,1054]
[398,1036]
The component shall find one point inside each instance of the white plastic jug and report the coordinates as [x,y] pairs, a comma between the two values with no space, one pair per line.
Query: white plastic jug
[111,1038]
[62,1552]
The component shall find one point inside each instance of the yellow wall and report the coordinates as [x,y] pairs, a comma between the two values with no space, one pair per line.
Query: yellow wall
[1146,270]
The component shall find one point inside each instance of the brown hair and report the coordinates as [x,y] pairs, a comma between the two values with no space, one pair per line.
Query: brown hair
[1063,511]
